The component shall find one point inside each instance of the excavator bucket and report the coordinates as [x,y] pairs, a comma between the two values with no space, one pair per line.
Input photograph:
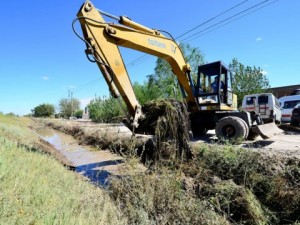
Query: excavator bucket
[267,130]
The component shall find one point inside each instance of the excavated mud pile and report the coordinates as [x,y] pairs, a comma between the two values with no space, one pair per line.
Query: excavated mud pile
[168,121]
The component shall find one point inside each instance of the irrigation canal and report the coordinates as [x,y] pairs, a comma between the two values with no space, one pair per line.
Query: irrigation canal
[96,165]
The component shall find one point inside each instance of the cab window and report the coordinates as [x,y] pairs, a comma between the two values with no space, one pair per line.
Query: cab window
[290,104]
[250,100]
[263,99]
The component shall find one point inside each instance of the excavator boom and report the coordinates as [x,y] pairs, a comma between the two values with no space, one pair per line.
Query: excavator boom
[102,40]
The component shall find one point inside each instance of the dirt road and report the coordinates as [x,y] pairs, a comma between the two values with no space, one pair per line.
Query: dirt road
[287,143]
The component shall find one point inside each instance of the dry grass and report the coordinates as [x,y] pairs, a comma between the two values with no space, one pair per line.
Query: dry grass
[36,189]
[273,181]
[159,198]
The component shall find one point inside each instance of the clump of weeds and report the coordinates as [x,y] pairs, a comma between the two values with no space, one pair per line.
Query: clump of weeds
[272,182]
[159,198]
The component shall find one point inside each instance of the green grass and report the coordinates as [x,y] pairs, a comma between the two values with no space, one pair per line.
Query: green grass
[36,189]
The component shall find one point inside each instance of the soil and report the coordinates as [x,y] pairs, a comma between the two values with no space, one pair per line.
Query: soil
[286,144]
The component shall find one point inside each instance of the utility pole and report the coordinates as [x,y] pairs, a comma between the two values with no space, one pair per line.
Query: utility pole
[71,103]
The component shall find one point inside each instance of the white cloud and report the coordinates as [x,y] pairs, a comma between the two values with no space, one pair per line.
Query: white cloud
[264,72]
[45,78]
[259,39]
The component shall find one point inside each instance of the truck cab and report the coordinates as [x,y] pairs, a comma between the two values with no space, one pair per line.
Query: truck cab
[265,104]
[287,103]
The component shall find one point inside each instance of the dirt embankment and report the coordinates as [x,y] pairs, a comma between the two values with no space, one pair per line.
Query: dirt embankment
[240,185]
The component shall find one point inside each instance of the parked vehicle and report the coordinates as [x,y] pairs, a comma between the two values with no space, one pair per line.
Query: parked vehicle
[295,118]
[265,104]
[287,103]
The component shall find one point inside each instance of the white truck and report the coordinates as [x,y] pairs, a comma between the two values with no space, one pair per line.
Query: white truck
[287,103]
[265,104]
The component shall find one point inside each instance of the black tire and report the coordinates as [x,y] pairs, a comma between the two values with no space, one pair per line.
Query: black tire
[246,127]
[294,123]
[231,128]
[277,122]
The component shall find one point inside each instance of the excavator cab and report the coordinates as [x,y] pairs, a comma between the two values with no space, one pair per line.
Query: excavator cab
[213,87]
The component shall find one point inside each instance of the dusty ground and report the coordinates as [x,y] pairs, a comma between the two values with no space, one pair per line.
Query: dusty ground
[287,143]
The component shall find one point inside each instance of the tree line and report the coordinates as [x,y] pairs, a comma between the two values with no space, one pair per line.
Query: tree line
[67,108]
[161,84]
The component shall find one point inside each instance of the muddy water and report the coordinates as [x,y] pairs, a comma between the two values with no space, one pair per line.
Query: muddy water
[98,166]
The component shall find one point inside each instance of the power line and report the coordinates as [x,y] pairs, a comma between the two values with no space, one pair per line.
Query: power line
[87,84]
[146,57]
[233,20]
[226,19]
[211,19]
[138,60]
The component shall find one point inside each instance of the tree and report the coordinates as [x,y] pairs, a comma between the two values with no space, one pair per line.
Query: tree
[104,109]
[43,110]
[79,113]
[164,80]
[11,114]
[68,107]
[247,80]
[146,92]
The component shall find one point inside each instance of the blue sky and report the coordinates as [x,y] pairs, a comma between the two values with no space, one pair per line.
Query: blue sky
[43,61]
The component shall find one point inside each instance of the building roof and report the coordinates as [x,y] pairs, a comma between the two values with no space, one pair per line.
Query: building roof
[285,90]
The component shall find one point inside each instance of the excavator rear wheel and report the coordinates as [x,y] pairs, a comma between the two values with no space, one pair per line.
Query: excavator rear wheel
[246,128]
[231,128]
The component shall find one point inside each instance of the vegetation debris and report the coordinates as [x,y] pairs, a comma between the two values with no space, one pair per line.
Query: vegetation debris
[168,121]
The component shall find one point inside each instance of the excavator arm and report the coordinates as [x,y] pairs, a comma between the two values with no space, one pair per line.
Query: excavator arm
[102,40]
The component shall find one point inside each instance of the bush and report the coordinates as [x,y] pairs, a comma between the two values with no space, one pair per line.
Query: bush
[43,110]
[104,109]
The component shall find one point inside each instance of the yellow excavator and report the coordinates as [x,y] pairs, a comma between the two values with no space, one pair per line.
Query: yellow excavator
[210,100]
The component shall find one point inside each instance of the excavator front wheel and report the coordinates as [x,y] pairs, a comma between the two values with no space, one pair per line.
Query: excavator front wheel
[231,128]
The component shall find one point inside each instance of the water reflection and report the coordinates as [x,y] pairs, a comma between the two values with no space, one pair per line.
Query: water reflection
[97,166]
[94,172]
